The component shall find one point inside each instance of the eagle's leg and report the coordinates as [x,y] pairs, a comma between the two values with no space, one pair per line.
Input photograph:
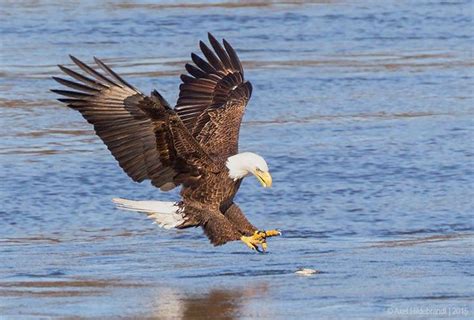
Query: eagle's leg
[238,219]
[216,226]
[251,236]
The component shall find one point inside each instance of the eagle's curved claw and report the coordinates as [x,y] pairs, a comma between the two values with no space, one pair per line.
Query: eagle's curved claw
[259,238]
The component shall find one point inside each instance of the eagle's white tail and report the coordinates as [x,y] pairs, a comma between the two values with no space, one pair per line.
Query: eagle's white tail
[166,214]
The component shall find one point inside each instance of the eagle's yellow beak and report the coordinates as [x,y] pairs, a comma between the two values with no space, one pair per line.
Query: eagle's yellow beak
[264,177]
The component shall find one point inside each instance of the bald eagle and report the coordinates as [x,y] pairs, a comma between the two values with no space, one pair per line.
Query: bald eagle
[193,145]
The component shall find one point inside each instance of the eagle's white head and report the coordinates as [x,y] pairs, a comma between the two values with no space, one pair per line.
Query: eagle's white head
[245,163]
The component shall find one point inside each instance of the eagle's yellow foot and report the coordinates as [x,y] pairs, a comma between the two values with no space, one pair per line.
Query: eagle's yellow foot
[254,240]
[259,238]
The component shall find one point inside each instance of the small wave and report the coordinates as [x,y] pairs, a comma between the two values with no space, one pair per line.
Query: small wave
[208,5]
[418,241]
[30,240]
[74,283]
[347,117]
[243,273]
[54,274]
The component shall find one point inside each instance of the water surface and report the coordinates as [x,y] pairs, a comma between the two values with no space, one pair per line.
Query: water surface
[364,112]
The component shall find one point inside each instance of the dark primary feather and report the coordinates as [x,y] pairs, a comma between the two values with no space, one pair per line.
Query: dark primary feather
[80,77]
[93,73]
[223,56]
[115,76]
[213,97]
[234,59]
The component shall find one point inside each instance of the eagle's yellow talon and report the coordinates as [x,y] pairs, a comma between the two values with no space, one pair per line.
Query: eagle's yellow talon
[259,238]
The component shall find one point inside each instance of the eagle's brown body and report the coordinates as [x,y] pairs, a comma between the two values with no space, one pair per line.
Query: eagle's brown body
[188,145]
[211,206]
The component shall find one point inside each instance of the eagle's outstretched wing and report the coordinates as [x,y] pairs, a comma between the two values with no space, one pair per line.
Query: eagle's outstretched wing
[213,98]
[145,148]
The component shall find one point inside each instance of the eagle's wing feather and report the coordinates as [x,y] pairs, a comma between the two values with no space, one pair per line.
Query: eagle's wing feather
[217,129]
[213,97]
[182,151]
[113,106]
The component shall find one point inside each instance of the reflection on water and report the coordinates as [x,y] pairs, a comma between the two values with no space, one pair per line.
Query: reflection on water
[216,303]
[362,110]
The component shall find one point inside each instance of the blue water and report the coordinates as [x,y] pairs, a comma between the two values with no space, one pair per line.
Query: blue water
[364,112]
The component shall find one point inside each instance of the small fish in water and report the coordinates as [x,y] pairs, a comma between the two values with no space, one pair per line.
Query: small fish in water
[307,272]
